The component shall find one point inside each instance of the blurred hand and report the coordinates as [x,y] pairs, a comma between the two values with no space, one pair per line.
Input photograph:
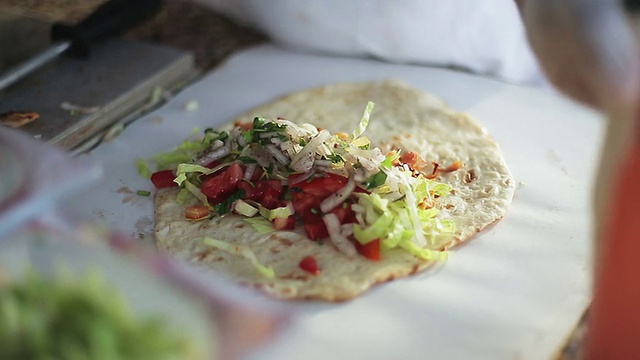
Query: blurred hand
[586,48]
[589,51]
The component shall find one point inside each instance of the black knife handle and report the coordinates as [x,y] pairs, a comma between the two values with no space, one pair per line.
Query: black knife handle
[110,19]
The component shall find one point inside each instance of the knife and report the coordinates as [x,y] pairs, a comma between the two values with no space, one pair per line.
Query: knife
[111,19]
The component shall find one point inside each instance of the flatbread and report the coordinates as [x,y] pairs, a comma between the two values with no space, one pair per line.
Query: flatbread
[403,117]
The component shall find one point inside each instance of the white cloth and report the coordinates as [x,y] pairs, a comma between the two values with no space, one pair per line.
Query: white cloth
[482,36]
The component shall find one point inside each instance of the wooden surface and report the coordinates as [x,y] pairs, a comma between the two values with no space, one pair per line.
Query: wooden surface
[212,38]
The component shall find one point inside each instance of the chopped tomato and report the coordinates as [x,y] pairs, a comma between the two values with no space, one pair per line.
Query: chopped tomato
[249,190]
[414,160]
[212,164]
[223,183]
[197,212]
[163,179]
[345,214]
[266,192]
[304,204]
[271,199]
[257,174]
[323,186]
[370,250]
[288,223]
[310,265]
[243,125]
[315,228]
[358,189]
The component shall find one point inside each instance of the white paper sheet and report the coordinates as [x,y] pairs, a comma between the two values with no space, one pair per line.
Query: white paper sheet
[514,292]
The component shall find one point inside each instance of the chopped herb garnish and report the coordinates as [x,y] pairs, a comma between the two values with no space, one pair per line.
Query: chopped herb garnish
[335,158]
[247,159]
[225,206]
[376,180]
[143,192]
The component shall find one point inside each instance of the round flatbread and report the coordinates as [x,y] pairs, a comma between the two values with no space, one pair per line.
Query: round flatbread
[404,118]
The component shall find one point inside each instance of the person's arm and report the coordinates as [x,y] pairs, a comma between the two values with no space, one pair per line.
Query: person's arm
[589,51]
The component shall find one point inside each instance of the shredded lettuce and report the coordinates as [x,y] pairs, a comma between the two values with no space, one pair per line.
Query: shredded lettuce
[243,251]
[244,208]
[402,223]
[143,167]
[364,121]
[184,169]
[270,214]
[195,191]
[260,224]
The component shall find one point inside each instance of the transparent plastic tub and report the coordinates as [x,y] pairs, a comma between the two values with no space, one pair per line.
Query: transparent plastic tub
[214,313]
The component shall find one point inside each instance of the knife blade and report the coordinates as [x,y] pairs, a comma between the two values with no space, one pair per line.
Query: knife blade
[111,19]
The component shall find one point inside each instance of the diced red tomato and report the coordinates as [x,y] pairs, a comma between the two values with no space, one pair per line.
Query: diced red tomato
[323,186]
[196,212]
[163,179]
[315,228]
[370,250]
[223,182]
[414,160]
[244,125]
[288,223]
[249,190]
[303,203]
[358,189]
[345,214]
[212,164]
[271,199]
[257,174]
[310,265]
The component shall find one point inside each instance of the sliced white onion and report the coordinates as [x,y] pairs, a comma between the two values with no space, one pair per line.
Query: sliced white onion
[214,155]
[309,150]
[235,133]
[357,208]
[322,162]
[276,141]
[304,164]
[267,135]
[278,154]
[301,178]
[338,197]
[343,244]
[241,141]
[346,229]
[262,157]
[248,172]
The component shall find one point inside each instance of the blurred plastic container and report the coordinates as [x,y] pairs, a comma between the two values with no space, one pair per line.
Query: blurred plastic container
[216,315]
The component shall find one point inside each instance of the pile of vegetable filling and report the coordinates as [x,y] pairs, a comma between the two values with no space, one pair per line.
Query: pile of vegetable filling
[298,177]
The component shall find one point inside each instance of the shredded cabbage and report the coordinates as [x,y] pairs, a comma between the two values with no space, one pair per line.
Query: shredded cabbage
[270,214]
[260,224]
[402,223]
[364,121]
[243,251]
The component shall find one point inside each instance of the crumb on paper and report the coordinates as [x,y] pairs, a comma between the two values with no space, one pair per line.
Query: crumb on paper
[192,105]
[113,132]
[75,109]
[157,120]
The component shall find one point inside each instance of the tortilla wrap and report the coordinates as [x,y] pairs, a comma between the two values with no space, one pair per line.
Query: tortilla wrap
[403,117]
